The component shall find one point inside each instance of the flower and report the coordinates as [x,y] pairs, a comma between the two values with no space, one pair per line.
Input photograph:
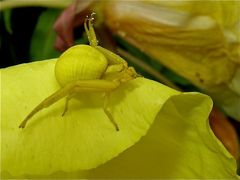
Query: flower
[163,133]
[200,41]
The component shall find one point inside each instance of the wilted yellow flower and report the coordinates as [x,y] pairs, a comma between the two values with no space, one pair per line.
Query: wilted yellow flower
[199,40]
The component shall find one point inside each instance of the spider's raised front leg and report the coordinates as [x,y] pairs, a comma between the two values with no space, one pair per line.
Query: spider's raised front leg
[90,31]
[97,85]
[112,57]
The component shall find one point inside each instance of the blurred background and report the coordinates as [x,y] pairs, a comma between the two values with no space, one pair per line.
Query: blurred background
[186,45]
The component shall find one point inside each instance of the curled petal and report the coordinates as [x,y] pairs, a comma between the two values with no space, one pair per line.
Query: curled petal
[170,131]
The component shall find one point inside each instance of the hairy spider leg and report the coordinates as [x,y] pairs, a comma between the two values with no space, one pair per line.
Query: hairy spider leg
[96,85]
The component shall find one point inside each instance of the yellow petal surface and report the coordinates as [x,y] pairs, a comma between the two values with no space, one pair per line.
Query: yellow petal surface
[198,40]
[179,144]
[84,136]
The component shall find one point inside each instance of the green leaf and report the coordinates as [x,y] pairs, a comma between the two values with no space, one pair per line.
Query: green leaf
[177,142]
[7,20]
[42,44]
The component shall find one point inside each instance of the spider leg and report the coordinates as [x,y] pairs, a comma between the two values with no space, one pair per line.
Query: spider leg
[46,103]
[75,91]
[66,103]
[96,85]
[112,57]
[107,112]
[106,100]
[90,31]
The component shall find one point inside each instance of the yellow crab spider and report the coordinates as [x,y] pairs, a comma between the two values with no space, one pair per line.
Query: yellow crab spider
[84,68]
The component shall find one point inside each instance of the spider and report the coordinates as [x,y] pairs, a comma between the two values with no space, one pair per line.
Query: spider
[104,76]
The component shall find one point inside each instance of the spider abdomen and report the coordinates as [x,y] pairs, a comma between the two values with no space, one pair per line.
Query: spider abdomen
[80,62]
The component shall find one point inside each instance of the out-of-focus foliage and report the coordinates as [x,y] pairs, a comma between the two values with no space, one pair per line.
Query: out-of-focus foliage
[16,29]
[44,37]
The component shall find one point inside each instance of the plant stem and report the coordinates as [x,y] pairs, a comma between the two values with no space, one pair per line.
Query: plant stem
[9,4]
[147,68]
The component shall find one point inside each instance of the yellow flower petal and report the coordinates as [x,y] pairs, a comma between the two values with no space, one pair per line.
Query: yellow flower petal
[84,136]
[179,144]
[199,40]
